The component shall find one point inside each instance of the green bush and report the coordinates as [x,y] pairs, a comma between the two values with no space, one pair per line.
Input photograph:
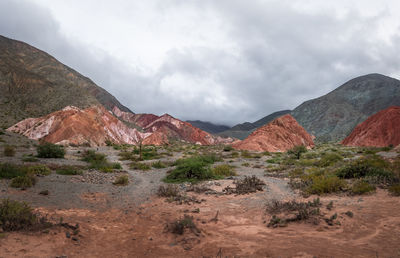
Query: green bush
[23,182]
[224,170]
[297,151]
[10,171]
[325,184]
[41,170]
[329,159]
[362,187]
[190,170]
[49,150]
[366,167]
[68,171]
[122,180]
[9,151]
[16,215]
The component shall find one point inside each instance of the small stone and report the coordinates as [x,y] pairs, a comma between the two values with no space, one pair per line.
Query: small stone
[67,234]
[75,238]
[150,238]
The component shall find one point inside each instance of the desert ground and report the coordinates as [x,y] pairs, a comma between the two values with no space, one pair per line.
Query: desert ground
[281,217]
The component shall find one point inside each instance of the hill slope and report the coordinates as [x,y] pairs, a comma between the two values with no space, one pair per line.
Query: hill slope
[33,84]
[279,135]
[379,130]
[208,127]
[243,130]
[334,115]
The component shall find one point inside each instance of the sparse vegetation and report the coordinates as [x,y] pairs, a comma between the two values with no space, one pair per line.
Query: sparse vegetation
[23,182]
[362,187]
[68,171]
[121,180]
[158,164]
[29,158]
[9,171]
[224,170]
[39,170]
[168,191]
[297,151]
[9,151]
[395,189]
[16,215]
[99,161]
[179,226]
[228,148]
[246,185]
[49,150]
[140,166]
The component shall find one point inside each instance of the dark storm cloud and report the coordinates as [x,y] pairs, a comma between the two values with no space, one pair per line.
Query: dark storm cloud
[280,57]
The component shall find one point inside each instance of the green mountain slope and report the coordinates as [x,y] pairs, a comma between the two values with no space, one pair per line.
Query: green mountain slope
[33,83]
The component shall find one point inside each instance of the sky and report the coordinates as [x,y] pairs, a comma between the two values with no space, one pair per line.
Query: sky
[223,61]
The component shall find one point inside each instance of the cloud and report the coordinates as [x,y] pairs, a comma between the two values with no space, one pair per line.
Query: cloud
[220,61]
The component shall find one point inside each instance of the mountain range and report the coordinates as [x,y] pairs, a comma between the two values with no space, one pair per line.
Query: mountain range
[34,84]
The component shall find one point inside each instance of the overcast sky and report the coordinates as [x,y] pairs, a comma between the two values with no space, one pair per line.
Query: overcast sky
[224,61]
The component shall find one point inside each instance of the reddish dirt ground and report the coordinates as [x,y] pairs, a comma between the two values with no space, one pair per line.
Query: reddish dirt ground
[240,231]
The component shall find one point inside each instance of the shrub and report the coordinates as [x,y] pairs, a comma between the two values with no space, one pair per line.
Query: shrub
[362,187]
[228,148]
[122,180]
[29,159]
[41,170]
[190,170]
[23,182]
[9,151]
[395,189]
[224,170]
[246,185]
[297,151]
[158,164]
[329,159]
[49,150]
[168,191]
[68,171]
[10,171]
[178,227]
[325,184]
[16,215]
[140,166]
[246,154]
[366,167]
[99,161]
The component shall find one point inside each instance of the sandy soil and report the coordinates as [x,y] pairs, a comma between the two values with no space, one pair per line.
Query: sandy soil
[240,231]
[131,221]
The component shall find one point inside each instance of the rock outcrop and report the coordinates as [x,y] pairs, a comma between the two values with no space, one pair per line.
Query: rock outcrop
[92,126]
[379,130]
[279,135]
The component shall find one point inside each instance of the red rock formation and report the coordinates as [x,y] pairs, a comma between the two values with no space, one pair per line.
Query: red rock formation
[279,135]
[71,125]
[165,128]
[379,130]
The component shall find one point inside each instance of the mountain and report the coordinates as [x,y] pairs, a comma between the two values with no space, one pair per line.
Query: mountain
[380,130]
[280,135]
[33,84]
[243,130]
[92,126]
[208,127]
[164,129]
[333,116]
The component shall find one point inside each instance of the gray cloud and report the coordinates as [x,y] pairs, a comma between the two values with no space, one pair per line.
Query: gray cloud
[279,57]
